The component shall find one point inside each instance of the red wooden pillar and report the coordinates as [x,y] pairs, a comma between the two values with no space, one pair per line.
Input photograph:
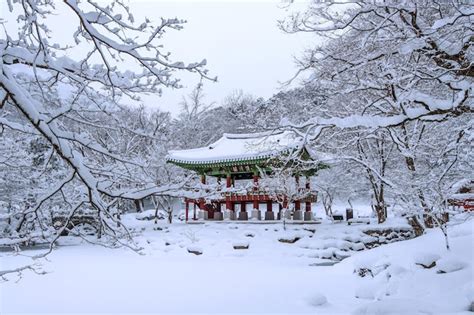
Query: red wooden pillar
[187,210]
[243,206]
[297,205]
[202,204]
[194,211]
[269,206]
[243,215]
[297,202]
[308,203]
[228,184]
[255,189]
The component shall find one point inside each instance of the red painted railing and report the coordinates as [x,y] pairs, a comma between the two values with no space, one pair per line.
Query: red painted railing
[251,196]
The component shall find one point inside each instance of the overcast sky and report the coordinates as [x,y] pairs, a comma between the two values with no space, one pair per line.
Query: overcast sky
[239,39]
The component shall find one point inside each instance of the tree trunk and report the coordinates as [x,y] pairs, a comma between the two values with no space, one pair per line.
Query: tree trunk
[416,225]
[170,216]
[138,205]
[381,211]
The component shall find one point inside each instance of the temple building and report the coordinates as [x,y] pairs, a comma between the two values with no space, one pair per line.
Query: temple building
[245,158]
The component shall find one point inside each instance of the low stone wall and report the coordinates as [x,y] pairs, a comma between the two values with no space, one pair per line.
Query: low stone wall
[342,246]
[388,235]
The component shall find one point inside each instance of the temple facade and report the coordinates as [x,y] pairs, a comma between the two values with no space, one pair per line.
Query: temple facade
[238,158]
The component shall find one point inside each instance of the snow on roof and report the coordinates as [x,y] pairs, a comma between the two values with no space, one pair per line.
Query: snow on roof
[237,147]
[462,196]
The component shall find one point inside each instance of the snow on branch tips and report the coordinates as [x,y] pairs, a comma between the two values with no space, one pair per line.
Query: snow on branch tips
[391,76]
[65,120]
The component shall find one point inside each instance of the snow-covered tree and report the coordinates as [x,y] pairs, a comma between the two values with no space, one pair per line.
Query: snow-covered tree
[64,106]
[394,68]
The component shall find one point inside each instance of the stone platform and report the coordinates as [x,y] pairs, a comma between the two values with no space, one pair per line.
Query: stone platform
[301,222]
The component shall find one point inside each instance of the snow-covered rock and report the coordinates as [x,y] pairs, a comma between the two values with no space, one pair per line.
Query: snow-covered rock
[352,238]
[339,254]
[249,234]
[447,265]
[196,250]
[290,238]
[148,215]
[241,245]
[367,266]
[357,246]
[327,253]
[426,260]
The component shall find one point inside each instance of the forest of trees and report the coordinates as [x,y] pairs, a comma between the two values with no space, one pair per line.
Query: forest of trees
[386,100]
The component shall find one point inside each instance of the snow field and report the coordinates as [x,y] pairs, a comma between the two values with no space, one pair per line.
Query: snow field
[268,277]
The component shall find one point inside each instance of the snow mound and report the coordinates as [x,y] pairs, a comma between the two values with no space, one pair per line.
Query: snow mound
[292,236]
[327,253]
[460,232]
[447,265]
[396,270]
[340,254]
[170,241]
[357,246]
[196,250]
[353,238]
[318,300]
[426,260]
[366,291]
[395,306]
[249,234]
[147,215]
[368,266]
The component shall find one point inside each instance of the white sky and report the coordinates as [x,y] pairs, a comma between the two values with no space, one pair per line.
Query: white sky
[240,40]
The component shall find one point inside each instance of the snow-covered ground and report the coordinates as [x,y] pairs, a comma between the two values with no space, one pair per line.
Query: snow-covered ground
[360,207]
[270,276]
